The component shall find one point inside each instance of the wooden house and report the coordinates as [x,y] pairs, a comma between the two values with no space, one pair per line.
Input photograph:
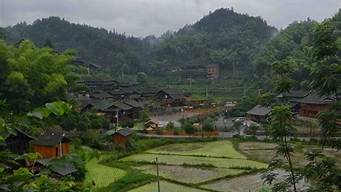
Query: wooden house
[19,141]
[51,145]
[115,109]
[169,97]
[258,114]
[313,104]
[151,125]
[213,71]
[122,136]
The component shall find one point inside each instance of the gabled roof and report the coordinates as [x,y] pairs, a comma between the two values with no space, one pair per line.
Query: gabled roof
[125,132]
[314,98]
[109,105]
[122,106]
[174,94]
[64,169]
[101,95]
[295,94]
[51,139]
[104,104]
[19,131]
[259,110]
[116,92]
[134,104]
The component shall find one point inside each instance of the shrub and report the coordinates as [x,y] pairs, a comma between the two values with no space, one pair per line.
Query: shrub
[188,127]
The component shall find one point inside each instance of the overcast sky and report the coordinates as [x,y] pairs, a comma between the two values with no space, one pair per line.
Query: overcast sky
[146,17]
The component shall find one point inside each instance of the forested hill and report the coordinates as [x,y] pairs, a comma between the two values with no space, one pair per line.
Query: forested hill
[96,45]
[223,37]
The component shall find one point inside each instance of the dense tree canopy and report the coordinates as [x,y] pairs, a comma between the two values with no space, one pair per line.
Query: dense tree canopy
[31,76]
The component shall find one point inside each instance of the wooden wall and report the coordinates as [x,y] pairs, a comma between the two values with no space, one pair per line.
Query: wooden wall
[311,110]
[119,139]
[52,151]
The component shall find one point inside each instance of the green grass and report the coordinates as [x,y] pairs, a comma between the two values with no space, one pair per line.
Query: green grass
[209,149]
[102,175]
[190,175]
[190,160]
[165,186]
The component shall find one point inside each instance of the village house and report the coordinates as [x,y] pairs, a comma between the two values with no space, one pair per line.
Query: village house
[258,114]
[151,125]
[18,142]
[313,104]
[291,97]
[122,136]
[169,97]
[115,109]
[51,145]
[213,71]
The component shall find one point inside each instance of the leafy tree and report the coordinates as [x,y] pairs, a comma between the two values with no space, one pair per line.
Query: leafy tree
[281,129]
[31,76]
[208,125]
[188,127]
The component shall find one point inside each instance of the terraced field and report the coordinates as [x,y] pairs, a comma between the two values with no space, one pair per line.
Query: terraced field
[100,175]
[165,186]
[209,149]
[189,175]
[193,160]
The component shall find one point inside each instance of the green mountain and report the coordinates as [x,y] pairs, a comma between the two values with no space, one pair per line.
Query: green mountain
[223,37]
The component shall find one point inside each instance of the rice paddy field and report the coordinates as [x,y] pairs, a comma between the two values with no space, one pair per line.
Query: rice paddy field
[183,167]
[166,186]
[100,175]
[209,149]
[195,161]
[190,175]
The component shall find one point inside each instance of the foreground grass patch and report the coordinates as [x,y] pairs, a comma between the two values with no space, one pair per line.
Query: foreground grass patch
[190,175]
[209,149]
[165,186]
[180,160]
[101,175]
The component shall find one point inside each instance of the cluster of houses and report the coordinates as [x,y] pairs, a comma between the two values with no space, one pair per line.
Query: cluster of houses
[304,104]
[52,145]
[119,101]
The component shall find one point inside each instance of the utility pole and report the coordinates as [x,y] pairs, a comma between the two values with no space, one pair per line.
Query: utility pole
[157,174]
[116,120]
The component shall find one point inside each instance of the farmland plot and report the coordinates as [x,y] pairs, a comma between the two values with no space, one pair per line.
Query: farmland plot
[190,175]
[165,186]
[209,149]
[102,175]
[180,160]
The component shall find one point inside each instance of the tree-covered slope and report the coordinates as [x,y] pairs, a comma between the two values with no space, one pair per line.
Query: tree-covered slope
[107,49]
[223,37]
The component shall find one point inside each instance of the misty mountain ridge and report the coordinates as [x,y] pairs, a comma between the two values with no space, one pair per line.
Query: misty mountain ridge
[223,37]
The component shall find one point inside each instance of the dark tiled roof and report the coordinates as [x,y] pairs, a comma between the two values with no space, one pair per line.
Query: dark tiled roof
[24,133]
[101,95]
[125,132]
[116,92]
[259,110]
[122,106]
[314,98]
[174,94]
[134,104]
[295,94]
[51,139]
[104,104]
[64,169]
